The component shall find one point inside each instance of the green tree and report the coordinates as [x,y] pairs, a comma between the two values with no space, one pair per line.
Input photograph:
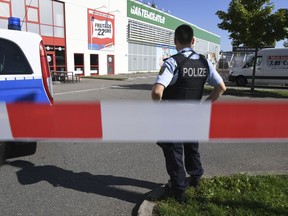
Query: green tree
[153,4]
[252,23]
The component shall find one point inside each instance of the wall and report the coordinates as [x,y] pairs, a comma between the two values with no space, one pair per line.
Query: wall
[76,13]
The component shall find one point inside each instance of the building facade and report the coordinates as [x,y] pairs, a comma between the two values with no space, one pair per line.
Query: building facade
[104,37]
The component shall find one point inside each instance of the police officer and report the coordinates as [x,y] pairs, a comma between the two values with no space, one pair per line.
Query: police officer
[182,77]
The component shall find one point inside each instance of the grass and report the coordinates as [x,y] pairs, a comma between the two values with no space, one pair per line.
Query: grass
[259,93]
[238,195]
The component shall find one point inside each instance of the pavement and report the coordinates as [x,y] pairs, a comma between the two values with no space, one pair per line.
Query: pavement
[147,206]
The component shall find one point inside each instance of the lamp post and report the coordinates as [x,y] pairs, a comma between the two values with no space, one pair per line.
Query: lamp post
[92,28]
[170,33]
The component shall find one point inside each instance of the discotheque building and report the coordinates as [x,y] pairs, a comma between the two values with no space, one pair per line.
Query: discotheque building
[104,37]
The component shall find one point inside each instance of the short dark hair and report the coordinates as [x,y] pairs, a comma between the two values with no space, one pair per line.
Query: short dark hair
[184,34]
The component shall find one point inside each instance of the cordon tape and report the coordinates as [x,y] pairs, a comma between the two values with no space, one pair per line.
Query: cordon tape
[145,121]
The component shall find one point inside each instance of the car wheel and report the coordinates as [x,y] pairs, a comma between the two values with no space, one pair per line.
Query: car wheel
[2,152]
[241,81]
[19,149]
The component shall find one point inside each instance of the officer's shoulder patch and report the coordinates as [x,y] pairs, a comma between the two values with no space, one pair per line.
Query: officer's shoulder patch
[162,70]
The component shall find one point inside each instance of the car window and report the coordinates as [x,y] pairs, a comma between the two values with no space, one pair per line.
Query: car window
[259,60]
[12,59]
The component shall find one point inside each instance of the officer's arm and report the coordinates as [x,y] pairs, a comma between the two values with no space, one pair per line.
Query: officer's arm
[217,92]
[157,92]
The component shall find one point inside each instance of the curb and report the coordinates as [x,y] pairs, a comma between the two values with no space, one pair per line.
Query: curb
[147,206]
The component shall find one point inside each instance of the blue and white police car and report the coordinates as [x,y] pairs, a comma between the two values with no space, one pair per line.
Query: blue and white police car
[24,77]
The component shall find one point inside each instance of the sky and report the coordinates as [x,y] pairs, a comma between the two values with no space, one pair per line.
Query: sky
[202,14]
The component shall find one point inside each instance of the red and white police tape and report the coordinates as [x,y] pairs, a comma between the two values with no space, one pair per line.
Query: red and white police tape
[145,121]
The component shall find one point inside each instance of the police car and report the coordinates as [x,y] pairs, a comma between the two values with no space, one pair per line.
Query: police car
[24,77]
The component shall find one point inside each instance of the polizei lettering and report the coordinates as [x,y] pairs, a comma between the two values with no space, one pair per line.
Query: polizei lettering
[194,72]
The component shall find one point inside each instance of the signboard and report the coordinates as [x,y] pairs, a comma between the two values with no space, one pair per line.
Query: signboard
[278,62]
[248,49]
[243,49]
[101,30]
[147,14]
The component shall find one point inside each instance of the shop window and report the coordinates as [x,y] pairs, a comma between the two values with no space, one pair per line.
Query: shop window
[94,62]
[79,62]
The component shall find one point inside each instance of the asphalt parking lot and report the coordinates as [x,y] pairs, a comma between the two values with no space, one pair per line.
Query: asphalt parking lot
[113,178]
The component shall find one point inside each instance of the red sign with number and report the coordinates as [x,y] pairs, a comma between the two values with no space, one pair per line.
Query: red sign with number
[101,30]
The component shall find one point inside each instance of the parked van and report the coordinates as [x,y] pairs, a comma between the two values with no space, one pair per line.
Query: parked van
[271,68]
[24,77]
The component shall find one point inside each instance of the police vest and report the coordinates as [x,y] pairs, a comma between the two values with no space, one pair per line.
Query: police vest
[192,76]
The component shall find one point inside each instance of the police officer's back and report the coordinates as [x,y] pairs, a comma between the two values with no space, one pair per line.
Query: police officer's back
[182,77]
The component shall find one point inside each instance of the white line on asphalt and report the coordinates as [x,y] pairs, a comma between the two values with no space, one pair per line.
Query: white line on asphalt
[102,88]
[85,90]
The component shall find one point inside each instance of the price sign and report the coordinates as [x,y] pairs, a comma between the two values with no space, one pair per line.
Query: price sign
[279,62]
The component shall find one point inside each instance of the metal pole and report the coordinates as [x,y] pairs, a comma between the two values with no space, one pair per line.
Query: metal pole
[254,70]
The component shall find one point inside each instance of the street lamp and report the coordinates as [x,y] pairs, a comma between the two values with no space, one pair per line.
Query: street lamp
[170,33]
[92,28]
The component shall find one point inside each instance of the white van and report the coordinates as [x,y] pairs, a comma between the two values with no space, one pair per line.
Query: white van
[271,68]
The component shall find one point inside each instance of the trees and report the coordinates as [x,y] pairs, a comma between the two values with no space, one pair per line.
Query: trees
[252,23]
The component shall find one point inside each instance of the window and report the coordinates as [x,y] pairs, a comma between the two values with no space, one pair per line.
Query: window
[79,62]
[94,62]
[250,62]
[144,32]
[4,9]
[46,12]
[12,59]
[259,60]
[18,9]
[33,14]
[32,3]
[32,27]
[58,14]
[5,13]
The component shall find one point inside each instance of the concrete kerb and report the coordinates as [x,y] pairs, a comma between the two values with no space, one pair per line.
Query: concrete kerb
[147,206]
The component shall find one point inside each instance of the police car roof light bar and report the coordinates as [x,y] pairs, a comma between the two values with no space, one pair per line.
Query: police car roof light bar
[14,23]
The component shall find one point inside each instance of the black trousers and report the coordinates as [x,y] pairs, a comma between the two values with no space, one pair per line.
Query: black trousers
[173,153]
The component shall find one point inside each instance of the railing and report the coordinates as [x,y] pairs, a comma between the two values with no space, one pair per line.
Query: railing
[65,76]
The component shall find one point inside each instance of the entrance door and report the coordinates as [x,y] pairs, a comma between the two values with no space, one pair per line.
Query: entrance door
[52,64]
[110,64]
[51,60]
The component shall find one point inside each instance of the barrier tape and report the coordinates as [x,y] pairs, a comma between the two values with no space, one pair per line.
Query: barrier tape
[145,121]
